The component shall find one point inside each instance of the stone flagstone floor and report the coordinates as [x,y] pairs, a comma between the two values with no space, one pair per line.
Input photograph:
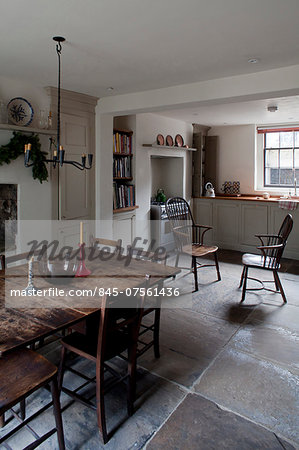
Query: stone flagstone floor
[227,377]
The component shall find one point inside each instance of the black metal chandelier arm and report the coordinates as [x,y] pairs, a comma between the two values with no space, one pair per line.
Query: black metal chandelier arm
[27,164]
[77,164]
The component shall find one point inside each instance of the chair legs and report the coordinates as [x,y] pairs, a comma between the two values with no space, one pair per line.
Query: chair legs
[277,281]
[61,367]
[57,413]
[157,332]
[217,266]
[244,279]
[23,409]
[101,417]
[194,265]
[280,288]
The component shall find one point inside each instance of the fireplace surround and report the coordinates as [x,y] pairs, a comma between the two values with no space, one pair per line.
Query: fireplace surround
[8,216]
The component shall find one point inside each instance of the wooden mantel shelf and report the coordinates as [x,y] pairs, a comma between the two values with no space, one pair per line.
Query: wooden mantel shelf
[6,126]
[128,208]
[168,147]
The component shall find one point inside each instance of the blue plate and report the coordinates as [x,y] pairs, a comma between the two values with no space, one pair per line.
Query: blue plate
[20,111]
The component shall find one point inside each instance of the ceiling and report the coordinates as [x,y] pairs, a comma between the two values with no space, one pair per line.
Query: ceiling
[252,112]
[136,45]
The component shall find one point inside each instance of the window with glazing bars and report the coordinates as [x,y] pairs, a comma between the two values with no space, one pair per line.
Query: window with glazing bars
[281,157]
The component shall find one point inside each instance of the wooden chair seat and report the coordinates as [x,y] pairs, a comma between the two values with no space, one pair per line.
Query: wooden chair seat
[251,260]
[22,372]
[199,250]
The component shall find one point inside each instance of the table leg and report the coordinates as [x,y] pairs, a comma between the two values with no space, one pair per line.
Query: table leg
[2,420]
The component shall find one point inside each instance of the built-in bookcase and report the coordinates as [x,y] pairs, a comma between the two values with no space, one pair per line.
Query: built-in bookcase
[123,186]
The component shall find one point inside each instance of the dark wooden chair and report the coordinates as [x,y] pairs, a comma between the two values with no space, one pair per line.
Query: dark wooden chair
[106,244]
[188,236]
[22,372]
[272,248]
[150,323]
[103,244]
[112,338]
[5,262]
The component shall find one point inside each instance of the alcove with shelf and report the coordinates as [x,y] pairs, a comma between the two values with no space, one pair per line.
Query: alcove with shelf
[123,190]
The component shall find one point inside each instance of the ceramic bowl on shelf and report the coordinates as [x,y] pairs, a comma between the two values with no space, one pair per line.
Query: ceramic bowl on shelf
[160,139]
[20,112]
[179,141]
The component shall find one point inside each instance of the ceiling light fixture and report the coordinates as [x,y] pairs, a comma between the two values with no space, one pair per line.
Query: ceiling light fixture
[253,60]
[272,108]
[59,152]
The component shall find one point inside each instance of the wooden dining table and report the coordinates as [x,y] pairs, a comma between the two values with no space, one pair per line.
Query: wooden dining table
[25,320]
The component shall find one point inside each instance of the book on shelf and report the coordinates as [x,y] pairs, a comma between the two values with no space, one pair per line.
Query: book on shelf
[122,167]
[122,143]
[123,195]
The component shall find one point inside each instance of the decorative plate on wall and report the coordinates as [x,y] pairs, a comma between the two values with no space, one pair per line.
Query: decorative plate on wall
[20,111]
[160,139]
[169,140]
[179,141]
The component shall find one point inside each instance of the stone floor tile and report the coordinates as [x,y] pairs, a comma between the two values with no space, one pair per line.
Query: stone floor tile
[254,388]
[156,399]
[199,424]
[189,342]
[269,342]
[222,300]
[285,316]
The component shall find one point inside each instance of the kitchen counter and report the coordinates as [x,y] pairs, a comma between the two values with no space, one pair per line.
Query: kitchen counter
[236,221]
[255,198]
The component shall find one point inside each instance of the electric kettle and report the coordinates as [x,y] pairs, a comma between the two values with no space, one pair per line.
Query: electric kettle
[209,190]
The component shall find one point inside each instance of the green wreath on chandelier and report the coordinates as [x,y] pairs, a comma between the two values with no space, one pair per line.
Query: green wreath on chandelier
[15,148]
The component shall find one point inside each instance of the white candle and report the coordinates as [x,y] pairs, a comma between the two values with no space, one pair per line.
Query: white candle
[81,232]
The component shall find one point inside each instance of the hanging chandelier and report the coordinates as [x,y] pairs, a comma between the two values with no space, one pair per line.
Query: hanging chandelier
[59,152]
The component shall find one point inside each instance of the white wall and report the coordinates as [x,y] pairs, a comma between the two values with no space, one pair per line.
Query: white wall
[147,127]
[34,199]
[167,174]
[236,155]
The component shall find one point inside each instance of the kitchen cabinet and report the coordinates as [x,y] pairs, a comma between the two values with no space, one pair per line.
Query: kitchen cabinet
[235,223]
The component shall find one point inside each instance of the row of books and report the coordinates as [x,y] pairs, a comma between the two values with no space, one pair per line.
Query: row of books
[123,195]
[122,167]
[122,143]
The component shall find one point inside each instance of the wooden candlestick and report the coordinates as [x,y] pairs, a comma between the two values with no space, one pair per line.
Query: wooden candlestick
[30,289]
[81,233]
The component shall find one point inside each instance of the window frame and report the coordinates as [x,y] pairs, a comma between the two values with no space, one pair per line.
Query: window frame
[279,149]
